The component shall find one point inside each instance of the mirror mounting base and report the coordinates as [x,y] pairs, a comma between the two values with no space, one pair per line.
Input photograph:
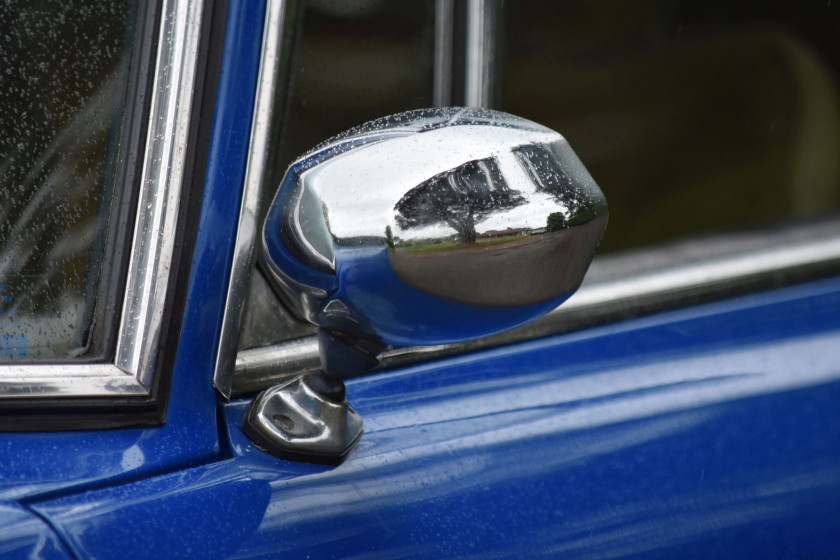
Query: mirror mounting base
[306,419]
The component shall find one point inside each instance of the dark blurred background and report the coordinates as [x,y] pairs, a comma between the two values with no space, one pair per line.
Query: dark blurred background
[692,116]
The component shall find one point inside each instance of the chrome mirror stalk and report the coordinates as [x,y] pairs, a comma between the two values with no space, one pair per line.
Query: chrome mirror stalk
[428,227]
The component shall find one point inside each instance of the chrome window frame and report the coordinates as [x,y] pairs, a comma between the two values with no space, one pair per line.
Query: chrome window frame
[246,231]
[479,51]
[152,247]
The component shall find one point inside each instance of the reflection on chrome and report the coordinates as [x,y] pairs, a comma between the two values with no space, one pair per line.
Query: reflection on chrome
[431,227]
[428,227]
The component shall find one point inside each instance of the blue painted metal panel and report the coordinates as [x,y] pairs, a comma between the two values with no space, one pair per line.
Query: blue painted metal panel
[25,535]
[34,464]
[707,432]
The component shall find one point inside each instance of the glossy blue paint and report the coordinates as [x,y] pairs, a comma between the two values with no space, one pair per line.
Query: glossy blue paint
[25,535]
[706,432]
[55,462]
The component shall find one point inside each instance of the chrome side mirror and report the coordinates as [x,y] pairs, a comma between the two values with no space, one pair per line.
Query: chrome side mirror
[428,227]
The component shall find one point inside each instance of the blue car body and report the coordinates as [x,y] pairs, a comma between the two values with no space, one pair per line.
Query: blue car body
[709,431]
[705,432]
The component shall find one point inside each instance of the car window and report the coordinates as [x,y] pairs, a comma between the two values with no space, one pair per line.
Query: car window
[94,159]
[64,90]
[704,124]
[694,117]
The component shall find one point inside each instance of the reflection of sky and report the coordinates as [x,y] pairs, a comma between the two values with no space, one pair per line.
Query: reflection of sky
[532,215]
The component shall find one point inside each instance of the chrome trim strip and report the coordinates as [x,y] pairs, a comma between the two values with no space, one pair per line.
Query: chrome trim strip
[705,274]
[247,229]
[72,380]
[618,286]
[444,51]
[152,245]
[163,170]
[479,55]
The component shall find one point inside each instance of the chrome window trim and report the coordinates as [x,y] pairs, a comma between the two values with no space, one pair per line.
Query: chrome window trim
[468,37]
[620,286]
[246,233]
[479,53]
[152,245]
[444,49]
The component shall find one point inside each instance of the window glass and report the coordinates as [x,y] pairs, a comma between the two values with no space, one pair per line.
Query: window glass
[354,61]
[63,90]
[693,116]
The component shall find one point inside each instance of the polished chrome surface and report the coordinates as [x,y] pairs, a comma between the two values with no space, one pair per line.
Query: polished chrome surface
[706,274]
[444,52]
[152,246]
[494,273]
[259,368]
[479,53]
[163,171]
[66,380]
[246,234]
[294,421]
[617,286]
[433,226]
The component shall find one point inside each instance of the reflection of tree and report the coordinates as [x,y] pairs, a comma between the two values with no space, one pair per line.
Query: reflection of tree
[555,222]
[460,198]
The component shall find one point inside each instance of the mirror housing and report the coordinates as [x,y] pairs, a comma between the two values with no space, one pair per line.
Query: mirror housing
[428,227]
[432,227]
